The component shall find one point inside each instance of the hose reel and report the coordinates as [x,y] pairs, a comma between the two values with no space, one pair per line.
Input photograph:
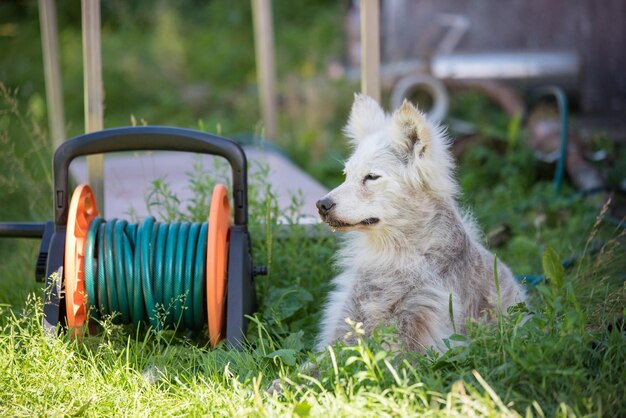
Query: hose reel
[169,275]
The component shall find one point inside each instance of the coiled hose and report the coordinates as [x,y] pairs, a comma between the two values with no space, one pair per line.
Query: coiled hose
[151,272]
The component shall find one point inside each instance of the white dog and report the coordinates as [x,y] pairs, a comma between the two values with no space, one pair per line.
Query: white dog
[410,257]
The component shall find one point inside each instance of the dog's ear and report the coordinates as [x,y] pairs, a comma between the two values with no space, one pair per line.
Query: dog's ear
[366,117]
[409,133]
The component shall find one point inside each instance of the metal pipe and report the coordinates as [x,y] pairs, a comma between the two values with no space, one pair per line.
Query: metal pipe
[22,229]
[523,66]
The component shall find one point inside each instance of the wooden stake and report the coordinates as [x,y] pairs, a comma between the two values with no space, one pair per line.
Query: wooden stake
[370,48]
[92,69]
[266,73]
[52,70]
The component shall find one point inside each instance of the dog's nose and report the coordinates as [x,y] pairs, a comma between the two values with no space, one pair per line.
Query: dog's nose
[324,206]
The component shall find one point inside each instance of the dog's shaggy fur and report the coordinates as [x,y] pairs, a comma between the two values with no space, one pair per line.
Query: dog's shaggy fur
[408,251]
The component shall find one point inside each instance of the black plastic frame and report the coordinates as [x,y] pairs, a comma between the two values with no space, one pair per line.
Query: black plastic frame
[149,138]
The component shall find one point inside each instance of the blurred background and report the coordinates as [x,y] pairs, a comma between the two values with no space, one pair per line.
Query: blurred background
[184,63]
[473,65]
[180,62]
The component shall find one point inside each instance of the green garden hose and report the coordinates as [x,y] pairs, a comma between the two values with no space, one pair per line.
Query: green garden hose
[562,105]
[150,272]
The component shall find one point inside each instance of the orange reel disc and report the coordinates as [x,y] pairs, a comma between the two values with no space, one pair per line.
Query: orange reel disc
[217,261]
[82,210]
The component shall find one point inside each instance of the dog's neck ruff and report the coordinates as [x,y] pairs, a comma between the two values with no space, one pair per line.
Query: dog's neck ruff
[439,233]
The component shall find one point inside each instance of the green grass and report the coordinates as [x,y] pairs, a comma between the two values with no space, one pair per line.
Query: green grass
[26,185]
[567,359]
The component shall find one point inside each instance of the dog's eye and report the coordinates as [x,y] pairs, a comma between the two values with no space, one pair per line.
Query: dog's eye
[370,176]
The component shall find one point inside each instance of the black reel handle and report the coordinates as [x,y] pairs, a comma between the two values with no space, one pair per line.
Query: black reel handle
[149,138]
